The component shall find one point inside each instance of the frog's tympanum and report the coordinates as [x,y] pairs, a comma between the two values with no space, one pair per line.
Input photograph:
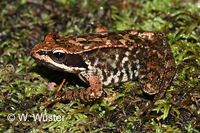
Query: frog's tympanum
[110,58]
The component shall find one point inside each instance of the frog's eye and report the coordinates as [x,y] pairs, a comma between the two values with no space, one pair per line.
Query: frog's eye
[59,56]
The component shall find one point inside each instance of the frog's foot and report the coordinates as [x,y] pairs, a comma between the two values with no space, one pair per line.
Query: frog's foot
[91,93]
[149,107]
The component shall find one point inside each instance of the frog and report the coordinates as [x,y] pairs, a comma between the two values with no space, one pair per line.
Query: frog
[109,59]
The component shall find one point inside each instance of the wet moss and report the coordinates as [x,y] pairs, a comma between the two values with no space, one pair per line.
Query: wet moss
[23,83]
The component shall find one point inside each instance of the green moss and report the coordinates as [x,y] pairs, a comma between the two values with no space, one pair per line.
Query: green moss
[23,83]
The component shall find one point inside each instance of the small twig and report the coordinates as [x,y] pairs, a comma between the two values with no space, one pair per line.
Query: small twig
[60,87]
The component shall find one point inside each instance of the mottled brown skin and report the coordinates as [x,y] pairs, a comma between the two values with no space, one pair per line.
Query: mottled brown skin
[110,59]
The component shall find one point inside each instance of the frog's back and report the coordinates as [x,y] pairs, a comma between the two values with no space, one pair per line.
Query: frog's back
[130,55]
[119,58]
[106,39]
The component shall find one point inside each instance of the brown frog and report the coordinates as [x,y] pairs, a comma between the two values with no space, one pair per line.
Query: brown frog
[110,58]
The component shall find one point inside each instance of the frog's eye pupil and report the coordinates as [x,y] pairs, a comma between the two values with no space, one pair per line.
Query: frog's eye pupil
[59,55]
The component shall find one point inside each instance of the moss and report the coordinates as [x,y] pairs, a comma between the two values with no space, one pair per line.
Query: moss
[23,83]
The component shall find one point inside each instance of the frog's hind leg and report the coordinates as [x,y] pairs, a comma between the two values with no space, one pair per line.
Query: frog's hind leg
[157,72]
[151,74]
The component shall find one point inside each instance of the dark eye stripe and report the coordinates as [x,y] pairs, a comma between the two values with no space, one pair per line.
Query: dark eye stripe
[43,52]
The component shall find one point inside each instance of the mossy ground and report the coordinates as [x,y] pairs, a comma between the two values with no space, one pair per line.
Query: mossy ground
[23,83]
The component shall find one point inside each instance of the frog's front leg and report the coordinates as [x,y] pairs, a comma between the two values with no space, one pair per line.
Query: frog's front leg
[91,93]
[95,90]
